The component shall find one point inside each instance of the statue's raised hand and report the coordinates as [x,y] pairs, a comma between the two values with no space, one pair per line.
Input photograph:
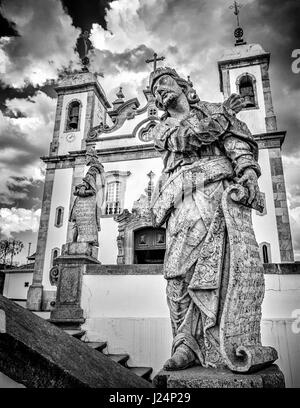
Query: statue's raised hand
[235,102]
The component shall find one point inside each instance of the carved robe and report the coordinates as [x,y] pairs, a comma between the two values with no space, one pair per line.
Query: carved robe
[86,210]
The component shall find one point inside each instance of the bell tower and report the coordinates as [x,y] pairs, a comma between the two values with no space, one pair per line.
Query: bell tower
[244,70]
[81,105]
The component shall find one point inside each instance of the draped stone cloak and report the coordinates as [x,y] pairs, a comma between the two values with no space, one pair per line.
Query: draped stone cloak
[86,210]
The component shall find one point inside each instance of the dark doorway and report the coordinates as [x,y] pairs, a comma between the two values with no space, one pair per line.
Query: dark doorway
[149,245]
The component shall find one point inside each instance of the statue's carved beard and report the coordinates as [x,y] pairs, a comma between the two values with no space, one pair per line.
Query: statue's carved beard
[169,99]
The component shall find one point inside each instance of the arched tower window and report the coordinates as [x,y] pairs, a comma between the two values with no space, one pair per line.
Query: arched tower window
[265,252]
[246,87]
[113,204]
[54,255]
[59,215]
[73,116]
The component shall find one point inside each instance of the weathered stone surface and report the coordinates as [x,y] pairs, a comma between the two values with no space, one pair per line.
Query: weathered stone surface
[34,297]
[199,377]
[281,210]
[37,354]
[70,268]
[80,248]
[292,268]
[133,269]
[86,210]
[215,283]
[240,338]
[136,269]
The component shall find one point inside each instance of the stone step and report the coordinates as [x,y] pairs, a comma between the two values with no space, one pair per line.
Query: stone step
[75,333]
[119,358]
[143,372]
[60,360]
[99,346]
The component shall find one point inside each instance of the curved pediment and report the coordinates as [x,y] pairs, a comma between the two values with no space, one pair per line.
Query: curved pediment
[123,112]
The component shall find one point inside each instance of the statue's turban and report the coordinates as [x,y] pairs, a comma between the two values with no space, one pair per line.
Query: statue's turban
[160,72]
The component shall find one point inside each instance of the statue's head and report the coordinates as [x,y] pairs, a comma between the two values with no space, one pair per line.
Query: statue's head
[91,156]
[166,86]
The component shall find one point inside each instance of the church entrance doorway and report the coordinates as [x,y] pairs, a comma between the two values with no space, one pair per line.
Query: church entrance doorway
[149,245]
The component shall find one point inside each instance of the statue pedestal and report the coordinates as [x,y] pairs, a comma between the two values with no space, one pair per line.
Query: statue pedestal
[72,263]
[199,377]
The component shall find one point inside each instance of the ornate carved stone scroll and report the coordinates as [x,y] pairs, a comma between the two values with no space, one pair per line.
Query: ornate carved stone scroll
[54,275]
[240,337]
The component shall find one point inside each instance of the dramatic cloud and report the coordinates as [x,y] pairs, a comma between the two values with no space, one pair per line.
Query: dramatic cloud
[15,220]
[136,28]
[22,141]
[23,191]
[45,43]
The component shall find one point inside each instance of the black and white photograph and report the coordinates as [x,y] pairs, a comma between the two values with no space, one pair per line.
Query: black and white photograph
[150,197]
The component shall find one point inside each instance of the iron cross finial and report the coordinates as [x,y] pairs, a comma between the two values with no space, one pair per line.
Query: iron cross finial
[154,60]
[236,6]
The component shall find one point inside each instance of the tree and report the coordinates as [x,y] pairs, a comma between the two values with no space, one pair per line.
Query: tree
[4,250]
[10,247]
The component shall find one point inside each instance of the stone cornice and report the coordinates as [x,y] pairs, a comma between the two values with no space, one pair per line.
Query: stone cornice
[134,152]
[270,139]
[292,268]
[238,62]
[17,270]
[157,269]
[147,150]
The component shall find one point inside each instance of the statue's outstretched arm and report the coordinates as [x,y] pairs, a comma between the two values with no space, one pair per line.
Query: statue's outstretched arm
[241,155]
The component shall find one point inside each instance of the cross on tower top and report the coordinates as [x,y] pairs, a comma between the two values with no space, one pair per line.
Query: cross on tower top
[238,32]
[236,6]
[154,60]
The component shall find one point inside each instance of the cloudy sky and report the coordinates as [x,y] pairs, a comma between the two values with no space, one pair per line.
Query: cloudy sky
[37,43]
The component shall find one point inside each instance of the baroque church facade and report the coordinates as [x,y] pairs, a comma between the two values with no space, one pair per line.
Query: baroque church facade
[121,135]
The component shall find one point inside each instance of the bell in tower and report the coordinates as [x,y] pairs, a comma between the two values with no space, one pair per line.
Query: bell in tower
[73,116]
[247,91]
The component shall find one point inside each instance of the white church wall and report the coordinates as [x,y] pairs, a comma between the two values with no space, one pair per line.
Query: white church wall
[108,250]
[135,186]
[67,142]
[118,296]
[265,226]
[56,236]
[99,112]
[14,285]
[110,307]
[138,180]
[118,142]
[255,118]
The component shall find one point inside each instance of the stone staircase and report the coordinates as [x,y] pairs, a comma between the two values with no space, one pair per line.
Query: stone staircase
[38,354]
[122,359]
